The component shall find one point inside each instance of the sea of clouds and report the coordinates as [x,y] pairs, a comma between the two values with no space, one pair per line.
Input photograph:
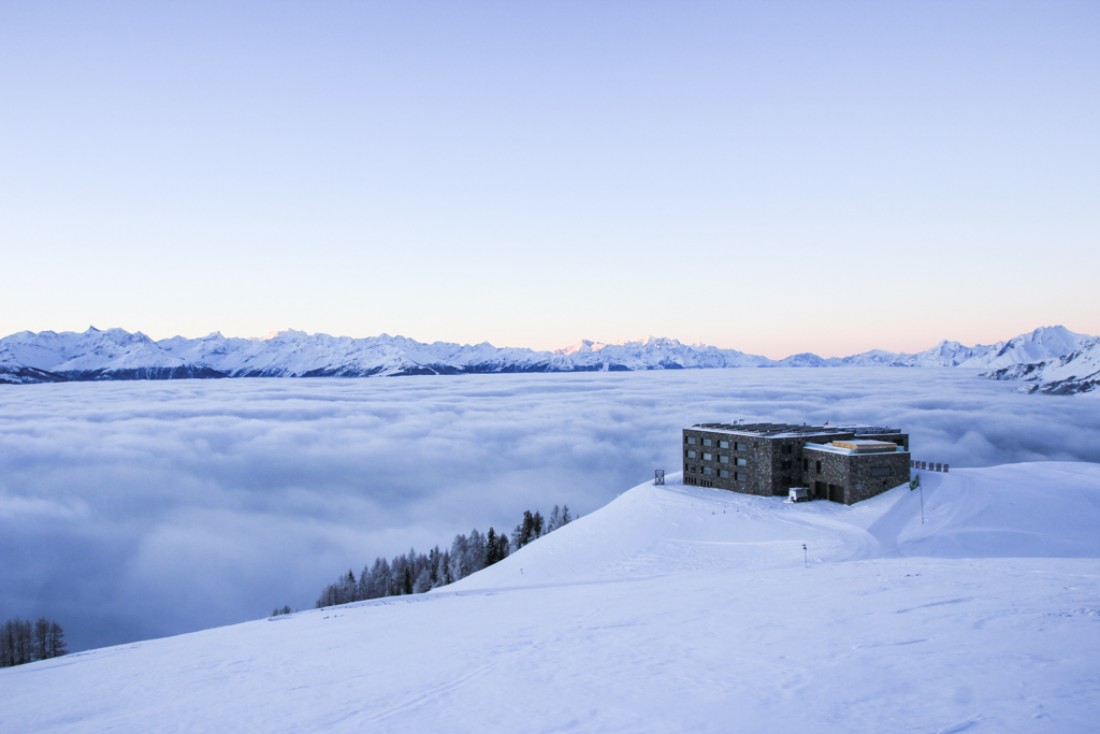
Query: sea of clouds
[131,510]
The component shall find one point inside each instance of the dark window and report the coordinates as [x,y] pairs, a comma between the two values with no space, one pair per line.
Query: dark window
[818,467]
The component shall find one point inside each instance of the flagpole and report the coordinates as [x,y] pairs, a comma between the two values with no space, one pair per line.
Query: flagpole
[921,504]
[914,483]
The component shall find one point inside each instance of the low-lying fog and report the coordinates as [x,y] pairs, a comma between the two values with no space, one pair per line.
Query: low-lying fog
[131,510]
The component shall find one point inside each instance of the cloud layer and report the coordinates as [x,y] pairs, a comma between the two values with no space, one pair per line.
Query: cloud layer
[132,510]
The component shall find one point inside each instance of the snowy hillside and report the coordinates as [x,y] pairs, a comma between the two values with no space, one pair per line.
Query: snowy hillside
[118,354]
[1073,372]
[671,609]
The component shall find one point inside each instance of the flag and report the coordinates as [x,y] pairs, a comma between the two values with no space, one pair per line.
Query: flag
[914,482]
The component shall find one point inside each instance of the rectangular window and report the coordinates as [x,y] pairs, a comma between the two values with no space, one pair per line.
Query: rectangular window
[724,473]
[691,453]
[708,442]
[787,448]
[708,457]
[723,459]
[742,447]
[818,467]
[742,462]
[723,444]
[805,465]
[691,440]
[707,470]
[741,476]
[785,464]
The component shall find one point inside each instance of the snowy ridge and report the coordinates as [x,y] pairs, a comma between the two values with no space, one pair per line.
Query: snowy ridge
[117,354]
[1075,372]
[671,609]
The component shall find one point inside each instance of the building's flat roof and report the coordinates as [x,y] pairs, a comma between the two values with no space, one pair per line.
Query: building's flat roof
[834,448]
[791,430]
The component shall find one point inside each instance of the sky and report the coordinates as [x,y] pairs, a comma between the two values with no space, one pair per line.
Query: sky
[771,177]
[133,510]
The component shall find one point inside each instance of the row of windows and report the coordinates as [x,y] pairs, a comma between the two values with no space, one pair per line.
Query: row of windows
[722,443]
[738,476]
[722,458]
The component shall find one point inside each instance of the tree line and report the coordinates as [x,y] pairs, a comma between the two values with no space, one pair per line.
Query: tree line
[23,641]
[415,573]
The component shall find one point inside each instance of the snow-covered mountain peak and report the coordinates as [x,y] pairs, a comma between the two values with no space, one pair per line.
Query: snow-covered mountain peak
[118,354]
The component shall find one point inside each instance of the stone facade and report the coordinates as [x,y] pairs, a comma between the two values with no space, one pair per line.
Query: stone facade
[849,477]
[768,459]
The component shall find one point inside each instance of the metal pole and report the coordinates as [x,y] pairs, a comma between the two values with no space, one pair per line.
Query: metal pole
[921,504]
[805,556]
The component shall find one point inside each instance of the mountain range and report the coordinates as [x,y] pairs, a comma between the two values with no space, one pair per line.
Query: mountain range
[1049,359]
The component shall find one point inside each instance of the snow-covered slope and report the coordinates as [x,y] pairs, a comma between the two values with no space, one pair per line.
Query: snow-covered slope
[671,609]
[98,355]
[117,354]
[1075,372]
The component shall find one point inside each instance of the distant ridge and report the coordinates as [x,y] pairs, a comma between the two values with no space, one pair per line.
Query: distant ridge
[115,354]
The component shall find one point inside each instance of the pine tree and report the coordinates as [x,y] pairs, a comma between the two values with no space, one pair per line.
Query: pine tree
[555,520]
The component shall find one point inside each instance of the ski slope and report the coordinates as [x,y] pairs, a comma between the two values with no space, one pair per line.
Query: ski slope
[671,609]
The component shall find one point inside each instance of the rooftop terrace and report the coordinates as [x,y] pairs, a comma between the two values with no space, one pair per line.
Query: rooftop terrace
[791,430]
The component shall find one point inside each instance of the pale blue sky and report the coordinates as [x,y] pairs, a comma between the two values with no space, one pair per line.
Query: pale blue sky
[773,177]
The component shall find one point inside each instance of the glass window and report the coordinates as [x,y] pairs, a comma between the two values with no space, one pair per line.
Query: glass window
[707,470]
[691,453]
[724,473]
[742,462]
[691,440]
[723,459]
[708,457]
[723,444]
[708,442]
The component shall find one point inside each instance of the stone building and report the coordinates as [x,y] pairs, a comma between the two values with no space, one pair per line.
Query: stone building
[843,464]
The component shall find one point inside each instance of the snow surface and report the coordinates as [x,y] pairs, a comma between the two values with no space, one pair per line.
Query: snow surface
[117,354]
[670,609]
[1072,372]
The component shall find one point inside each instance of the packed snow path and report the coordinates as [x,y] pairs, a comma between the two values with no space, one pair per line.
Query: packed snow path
[672,609]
